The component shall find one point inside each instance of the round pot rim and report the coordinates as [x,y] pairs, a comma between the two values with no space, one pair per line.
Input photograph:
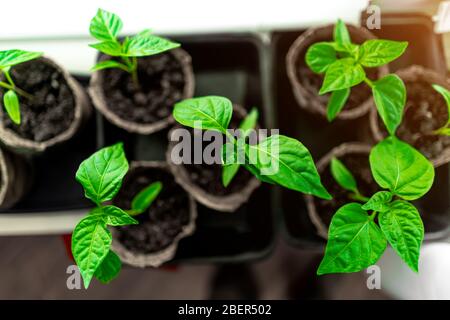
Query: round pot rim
[225,203]
[157,258]
[13,140]
[4,176]
[339,151]
[97,95]
[411,73]
[303,97]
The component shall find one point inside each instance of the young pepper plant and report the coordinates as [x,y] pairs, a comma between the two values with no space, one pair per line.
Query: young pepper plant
[8,59]
[295,168]
[445,130]
[359,231]
[101,176]
[105,27]
[343,64]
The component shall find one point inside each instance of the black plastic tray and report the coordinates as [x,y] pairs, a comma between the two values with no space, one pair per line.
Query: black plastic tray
[320,136]
[234,72]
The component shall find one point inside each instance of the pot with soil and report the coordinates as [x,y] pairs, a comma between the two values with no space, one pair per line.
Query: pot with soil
[15,179]
[425,111]
[57,109]
[306,84]
[204,181]
[355,156]
[164,79]
[170,218]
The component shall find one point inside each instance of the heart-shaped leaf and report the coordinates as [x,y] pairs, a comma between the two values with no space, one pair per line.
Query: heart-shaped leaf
[342,74]
[105,26]
[320,56]
[379,202]
[377,52]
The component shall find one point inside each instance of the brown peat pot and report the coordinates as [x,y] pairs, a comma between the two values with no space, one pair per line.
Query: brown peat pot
[425,111]
[165,79]
[170,218]
[59,108]
[306,84]
[15,179]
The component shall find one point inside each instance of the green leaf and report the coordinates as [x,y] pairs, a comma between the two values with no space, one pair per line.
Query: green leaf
[379,202]
[444,131]
[249,123]
[336,102]
[108,47]
[389,94]
[343,176]
[13,57]
[376,52]
[355,242]
[320,56]
[105,26]
[342,74]
[400,168]
[228,173]
[109,64]
[287,162]
[11,102]
[446,94]
[102,173]
[113,216]
[91,241]
[207,113]
[404,230]
[145,197]
[341,35]
[109,268]
[145,44]
[255,171]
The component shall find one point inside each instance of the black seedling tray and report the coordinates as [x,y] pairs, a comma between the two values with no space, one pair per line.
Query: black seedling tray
[425,48]
[227,65]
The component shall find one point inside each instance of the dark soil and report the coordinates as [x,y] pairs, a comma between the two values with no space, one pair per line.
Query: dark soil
[52,109]
[165,218]
[425,111]
[209,176]
[161,81]
[358,164]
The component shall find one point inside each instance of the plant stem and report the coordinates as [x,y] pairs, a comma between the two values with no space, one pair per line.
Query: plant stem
[359,197]
[132,68]
[373,215]
[369,82]
[16,89]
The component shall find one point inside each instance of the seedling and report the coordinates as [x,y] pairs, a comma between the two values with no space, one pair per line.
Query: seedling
[295,168]
[105,27]
[8,59]
[445,130]
[356,239]
[343,64]
[101,176]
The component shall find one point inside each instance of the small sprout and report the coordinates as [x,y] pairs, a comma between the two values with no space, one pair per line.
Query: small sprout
[101,176]
[355,239]
[343,64]
[8,59]
[346,180]
[277,159]
[105,27]
[445,130]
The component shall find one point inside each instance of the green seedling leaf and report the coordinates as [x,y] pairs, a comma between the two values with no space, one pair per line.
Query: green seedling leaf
[342,74]
[287,162]
[102,173]
[336,102]
[255,171]
[91,241]
[401,169]
[105,26]
[389,94]
[9,58]
[248,124]
[341,34]
[11,102]
[404,230]
[143,200]
[444,131]
[446,94]
[376,52]
[111,48]
[113,216]
[379,202]
[343,176]
[355,242]
[207,113]
[109,269]
[145,44]
[320,56]
[109,64]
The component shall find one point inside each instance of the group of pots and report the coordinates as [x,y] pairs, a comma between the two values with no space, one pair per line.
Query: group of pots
[425,111]
[61,107]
